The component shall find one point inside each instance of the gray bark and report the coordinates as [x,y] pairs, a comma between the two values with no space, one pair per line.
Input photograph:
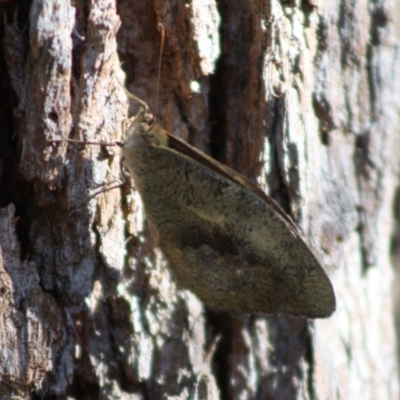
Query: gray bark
[302,97]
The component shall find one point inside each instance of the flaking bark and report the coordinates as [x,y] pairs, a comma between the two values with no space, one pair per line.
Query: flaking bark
[302,96]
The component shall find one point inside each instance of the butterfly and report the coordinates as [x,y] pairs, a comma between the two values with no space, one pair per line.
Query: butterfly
[224,238]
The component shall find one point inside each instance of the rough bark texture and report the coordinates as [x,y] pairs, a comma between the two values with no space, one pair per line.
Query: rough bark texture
[302,96]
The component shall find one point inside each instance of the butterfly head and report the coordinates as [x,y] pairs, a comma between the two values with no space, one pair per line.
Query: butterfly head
[142,136]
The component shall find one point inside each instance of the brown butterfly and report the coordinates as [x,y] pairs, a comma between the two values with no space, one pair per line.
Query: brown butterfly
[224,238]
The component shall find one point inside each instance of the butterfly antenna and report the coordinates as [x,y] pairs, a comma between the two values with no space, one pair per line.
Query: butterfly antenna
[162,31]
[132,96]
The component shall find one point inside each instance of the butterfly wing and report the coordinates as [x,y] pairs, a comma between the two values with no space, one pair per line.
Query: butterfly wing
[227,244]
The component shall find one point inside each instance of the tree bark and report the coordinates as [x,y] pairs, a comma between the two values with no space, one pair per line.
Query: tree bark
[301,97]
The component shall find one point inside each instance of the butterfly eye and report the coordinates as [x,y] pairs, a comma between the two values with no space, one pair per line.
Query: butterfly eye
[144,127]
[149,119]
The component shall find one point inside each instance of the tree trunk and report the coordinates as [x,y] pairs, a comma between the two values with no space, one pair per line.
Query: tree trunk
[301,96]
